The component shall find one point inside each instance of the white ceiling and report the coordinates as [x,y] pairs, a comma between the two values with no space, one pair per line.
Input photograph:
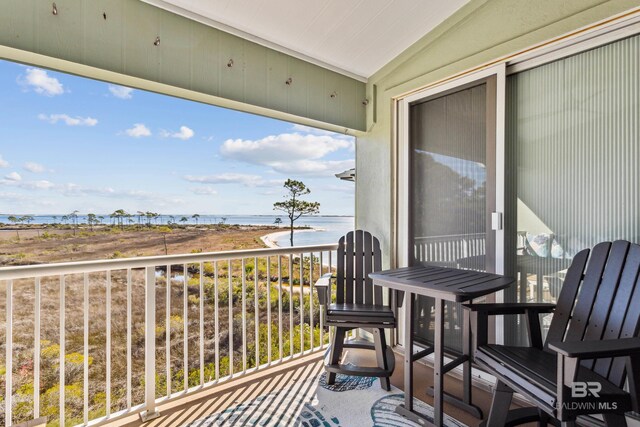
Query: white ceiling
[353,36]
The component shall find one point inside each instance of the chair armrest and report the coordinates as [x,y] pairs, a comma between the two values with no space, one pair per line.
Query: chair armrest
[323,286]
[480,318]
[571,353]
[499,309]
[597,349]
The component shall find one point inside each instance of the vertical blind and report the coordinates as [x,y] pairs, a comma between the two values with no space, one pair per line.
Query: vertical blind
[573,157]
[448,194]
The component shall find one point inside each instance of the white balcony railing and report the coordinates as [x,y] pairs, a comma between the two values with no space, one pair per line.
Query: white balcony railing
[88,342]
[448,250]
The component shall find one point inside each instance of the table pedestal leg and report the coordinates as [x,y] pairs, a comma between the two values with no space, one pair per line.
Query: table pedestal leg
[439,396]
[406,409]
[408,351]
[464,403]
[438,363]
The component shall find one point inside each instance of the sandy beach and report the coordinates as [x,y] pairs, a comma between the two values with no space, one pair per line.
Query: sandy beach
[270,239]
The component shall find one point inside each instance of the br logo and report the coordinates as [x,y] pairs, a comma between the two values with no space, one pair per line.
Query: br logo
[584,389]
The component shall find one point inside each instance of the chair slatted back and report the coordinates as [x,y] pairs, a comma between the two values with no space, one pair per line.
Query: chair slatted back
[600,299]
[358,255]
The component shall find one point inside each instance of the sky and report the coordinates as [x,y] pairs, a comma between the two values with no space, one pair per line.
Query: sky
[70,143]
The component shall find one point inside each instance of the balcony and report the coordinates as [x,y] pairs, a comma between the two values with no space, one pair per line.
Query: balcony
[107,339]
[93,334]
[481,144]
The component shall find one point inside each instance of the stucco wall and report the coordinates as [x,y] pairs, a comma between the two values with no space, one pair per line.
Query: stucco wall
[481,31]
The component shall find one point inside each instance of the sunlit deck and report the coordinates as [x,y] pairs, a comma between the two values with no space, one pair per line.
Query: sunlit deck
[294,377]
[106,321]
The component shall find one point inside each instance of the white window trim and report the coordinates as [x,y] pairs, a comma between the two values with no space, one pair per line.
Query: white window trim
[601,35]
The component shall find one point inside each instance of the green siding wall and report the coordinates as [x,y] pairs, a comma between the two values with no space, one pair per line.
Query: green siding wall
[481,31]
[190,56]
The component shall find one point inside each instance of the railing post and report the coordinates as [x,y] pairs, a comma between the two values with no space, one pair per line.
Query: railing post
[8,396]
[150,346]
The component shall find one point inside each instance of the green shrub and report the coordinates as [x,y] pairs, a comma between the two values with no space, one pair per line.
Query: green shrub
[50,352]
[176,322]
[208,269]
[76,359]
[117,254]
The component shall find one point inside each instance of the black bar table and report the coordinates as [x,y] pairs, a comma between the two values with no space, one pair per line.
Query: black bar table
[443,284]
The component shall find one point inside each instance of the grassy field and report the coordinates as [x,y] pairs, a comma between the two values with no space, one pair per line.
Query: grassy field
[35,244]
[29,245]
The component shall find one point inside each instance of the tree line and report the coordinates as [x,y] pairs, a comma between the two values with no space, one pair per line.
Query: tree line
[293,206]
[119,217]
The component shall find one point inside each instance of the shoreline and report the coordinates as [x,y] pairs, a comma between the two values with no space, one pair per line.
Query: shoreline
[270,239]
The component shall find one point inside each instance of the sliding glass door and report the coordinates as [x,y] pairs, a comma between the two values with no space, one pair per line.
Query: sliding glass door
[573,152]
[565,174]
[451,191]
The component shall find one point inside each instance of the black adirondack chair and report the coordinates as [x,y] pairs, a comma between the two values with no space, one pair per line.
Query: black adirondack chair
[358,304]
[591,350]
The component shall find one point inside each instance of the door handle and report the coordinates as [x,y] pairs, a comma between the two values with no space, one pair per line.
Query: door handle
[496,221]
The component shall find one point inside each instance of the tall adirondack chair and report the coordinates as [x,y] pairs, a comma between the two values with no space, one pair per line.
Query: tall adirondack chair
[358,304]
[591,350]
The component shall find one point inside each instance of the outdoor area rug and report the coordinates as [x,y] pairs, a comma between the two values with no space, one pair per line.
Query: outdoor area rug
[350,402]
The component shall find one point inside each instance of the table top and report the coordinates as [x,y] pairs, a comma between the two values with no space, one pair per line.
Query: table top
[450,284]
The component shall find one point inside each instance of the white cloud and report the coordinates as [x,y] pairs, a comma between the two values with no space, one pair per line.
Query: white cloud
[71,189]
[42,184]
[204,191]
[291,153]
[34,167]
[40,82]
[138,130]
[314,167]
[184,133]
[225,178]
[121,92]
[13,197]
[25,203]
[3,163]
[68,120]
[13,176]
[233,178]
[36,185]
[15,180]
[345,187]
[316,131]
[283,147]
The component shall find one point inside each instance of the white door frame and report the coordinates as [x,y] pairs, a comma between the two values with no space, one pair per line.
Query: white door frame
[402,168]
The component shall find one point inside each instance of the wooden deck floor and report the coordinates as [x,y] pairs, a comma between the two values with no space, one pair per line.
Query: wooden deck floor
[245,389]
